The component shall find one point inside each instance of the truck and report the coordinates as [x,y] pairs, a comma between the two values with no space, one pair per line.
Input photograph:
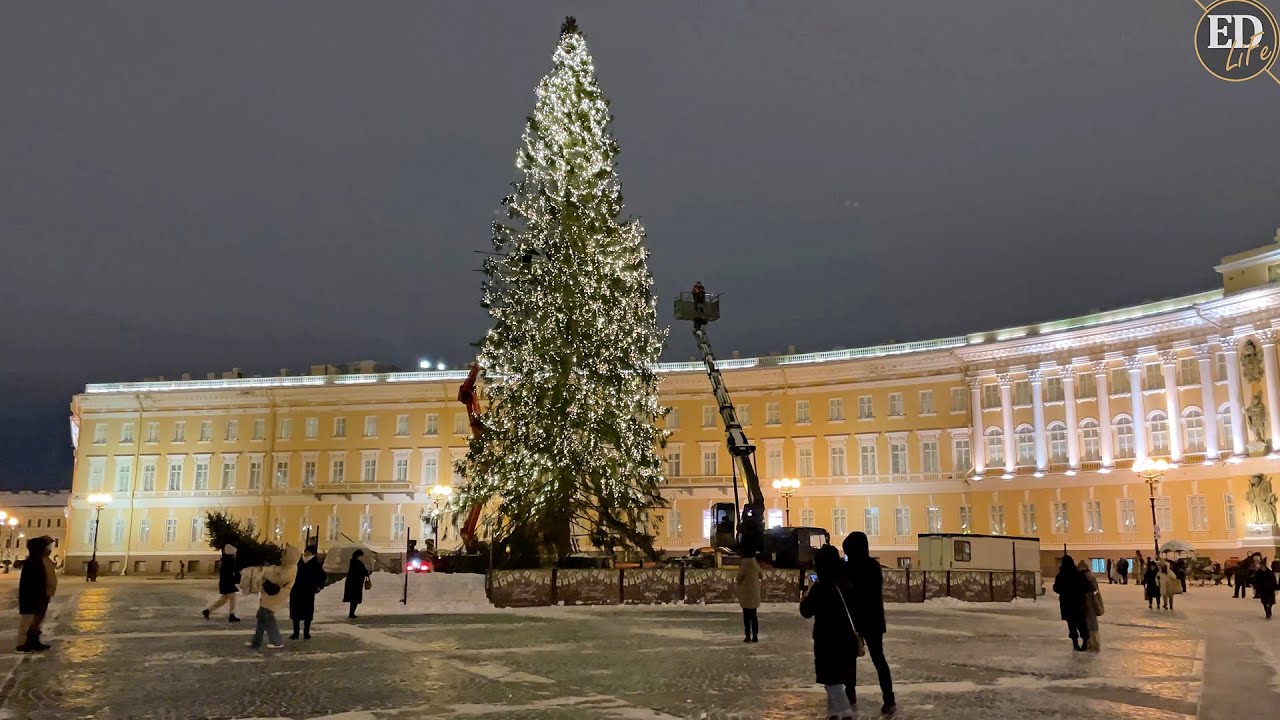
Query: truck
[984,553]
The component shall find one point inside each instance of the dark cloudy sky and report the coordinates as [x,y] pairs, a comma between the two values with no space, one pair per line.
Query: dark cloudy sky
[193,187]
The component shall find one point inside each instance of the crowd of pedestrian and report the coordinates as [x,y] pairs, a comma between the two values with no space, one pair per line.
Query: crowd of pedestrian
[293,584]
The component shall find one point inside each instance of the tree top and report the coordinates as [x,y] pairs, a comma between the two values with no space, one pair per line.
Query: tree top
[569,26]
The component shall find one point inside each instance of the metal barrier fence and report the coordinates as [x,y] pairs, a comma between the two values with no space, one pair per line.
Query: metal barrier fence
[693,586]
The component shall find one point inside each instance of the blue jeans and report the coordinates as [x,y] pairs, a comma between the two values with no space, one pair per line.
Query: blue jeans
[267,624]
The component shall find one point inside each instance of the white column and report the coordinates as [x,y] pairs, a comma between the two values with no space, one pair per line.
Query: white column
[1036,377]
[978,446]
[1231,349]
[1268,338]
[1068,377]
[1006,411]
[1210,407]
[1107,448]
[1169,367]
[1134,365]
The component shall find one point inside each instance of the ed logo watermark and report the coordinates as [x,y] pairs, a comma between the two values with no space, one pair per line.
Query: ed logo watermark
[1237,40]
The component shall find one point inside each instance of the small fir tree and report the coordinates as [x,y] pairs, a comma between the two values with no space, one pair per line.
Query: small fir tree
[569,442]
[221,530]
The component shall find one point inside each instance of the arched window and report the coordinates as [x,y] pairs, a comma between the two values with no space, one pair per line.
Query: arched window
[1057,442]
[1123,428]
[1158,425]
[1026,438]
[1193,429]
[995,447]
[1090,440]
[1224,427]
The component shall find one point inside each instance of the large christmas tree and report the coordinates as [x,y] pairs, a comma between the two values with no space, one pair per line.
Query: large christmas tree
[569,447]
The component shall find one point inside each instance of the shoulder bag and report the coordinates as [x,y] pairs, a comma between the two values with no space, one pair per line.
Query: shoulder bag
[862,646]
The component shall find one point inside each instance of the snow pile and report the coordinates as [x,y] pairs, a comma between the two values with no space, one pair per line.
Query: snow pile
[428,593]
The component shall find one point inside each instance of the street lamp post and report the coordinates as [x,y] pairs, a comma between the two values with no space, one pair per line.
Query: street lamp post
[1153,472]
[787,487]
[440,495]
[98,501]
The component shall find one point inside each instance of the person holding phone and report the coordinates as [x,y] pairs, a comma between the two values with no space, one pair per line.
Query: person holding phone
[835,643]
[749,580]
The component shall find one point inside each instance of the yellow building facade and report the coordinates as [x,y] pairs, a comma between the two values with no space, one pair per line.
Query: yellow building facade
[1023,431]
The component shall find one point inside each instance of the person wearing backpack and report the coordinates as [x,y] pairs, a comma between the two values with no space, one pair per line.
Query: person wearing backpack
[274,588]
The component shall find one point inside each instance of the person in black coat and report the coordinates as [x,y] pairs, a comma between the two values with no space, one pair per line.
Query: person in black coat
[1264,581]
[36,586]
[835,644]
[302,597]
[1073,592]
[866,578]
[1122,568]
[228,584]
[353,590]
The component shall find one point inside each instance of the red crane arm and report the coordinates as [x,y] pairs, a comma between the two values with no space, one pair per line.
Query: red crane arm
[467,396]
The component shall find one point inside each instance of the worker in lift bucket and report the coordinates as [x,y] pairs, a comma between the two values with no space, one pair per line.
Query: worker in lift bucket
[699,293]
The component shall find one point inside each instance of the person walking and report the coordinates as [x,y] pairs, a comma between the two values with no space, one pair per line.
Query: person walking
[865,578]
[302,598]
[1265,582]
[36,587]
[228,582]
[1242,571]
[1072,588]
[835,643]
[1092,603]
[1122,567]
[1151,584]
[274,584]
[1168,585]
[182,570]
[356,583]
[749,580]
[1179,568]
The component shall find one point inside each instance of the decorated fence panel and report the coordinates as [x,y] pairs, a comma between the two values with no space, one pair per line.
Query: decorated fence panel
[651,586]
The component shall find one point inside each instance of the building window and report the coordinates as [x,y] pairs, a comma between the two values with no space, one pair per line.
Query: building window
[335,527]
[259,429]
[144,531]
[206,430]
[744,415]
[772,413]
[995,447]
[1022,393]
[124,474]
[402,425]
[126,433]
[402,469]
[1026,445]
[673,524]
[312,428]
[433,424]
[1224,426]
[308,473]
[153,432]
[773,519]
[708,416]
[1164,515]
[837,461]
[1158,423]
[961,454]
[1061,521]
[371,426]
[366,527]
[710,456]
[804,462]
[460,423]
[255,474]
[1119,381]
[1093,516]
[902,521]
[397,527]
[175,474]
[673,418]
[1053,390]
[673,464]
[962,551]
[90,529]
[864,407]
[1193,429]
[171,530]
[959,399]
[807,517]
[835,409]
[431,469]
[706,524]
[1057,442]
[277,529]
[1123,427]
[148,475]
[1028,515]
[933,516]
[898,457]
[867,454]
[895,405]
[180,431]
[966,519]
[926,402]
[871,521]
[100,434]
[1154,379]
[369,472]
[117,532]
[285,431]
[997,520]
[839,522]
[197,529]
[1128,515]
[202,474]
[1229,505]
[228,474]
[928,455]
[1090,440]
[1220,367]
[990,396]
[97,472]
[1189,371]
[282,474]
[1086,385]
[1199,516]
[233,431]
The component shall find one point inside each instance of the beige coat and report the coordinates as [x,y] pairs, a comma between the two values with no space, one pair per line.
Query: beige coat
[750,577]
[1169,585]
[282,575]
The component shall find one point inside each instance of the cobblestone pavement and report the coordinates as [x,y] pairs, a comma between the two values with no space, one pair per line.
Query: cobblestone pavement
[132,648]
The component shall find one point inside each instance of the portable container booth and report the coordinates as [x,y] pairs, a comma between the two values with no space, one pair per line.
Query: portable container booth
[982,553]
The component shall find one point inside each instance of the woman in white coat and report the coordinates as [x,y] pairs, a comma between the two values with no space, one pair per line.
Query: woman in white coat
[1169,585]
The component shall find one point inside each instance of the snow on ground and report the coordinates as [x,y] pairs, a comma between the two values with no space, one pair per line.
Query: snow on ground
[429,593]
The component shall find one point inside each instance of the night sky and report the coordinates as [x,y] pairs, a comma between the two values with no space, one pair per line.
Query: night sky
[193,187]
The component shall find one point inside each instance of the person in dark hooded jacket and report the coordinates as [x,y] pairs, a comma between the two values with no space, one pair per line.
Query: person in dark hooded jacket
[835,643]
[1264,581]
[353,590]
[1073,592]
[866,578]
[302,597]
[36,586]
